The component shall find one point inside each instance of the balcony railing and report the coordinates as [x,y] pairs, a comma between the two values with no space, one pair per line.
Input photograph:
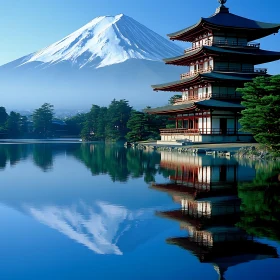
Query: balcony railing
[186,131]
[224,43]
[195,72]
[235,95]
[175,131]
[236,44]
[209,43]
[243,70]
[224,69]
[203,96]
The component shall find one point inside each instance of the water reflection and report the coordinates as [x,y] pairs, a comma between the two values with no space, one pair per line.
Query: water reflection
[221,207]
[219,230]
[119,163]
[99,227]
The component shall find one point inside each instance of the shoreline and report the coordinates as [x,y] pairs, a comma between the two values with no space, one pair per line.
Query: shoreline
[218,147]
[239,150]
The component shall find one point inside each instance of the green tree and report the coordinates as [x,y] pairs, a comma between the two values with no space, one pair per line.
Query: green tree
[23,125]
[154,124]
[118,114]
[75,124]
[3,120]
[138,127]
[101,123]
[42,120]
[174,98]
[90,125]
[261,116]
[13,125]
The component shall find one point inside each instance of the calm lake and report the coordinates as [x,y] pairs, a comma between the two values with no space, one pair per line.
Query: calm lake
[90,211]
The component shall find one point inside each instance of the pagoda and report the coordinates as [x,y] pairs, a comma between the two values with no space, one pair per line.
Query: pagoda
[209,211]
[222,57]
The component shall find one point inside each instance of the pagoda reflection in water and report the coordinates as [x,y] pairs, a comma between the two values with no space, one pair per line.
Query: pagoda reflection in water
[206,189]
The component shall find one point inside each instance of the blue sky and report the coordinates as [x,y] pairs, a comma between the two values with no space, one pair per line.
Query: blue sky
[29,25]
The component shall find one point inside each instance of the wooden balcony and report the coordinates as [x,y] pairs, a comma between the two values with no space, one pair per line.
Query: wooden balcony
[224,43]
[195,72]
[239,70]
[204,96]
[235,95]
[236,44]
[197,47]
[224,69]
[176,131]
[206,131]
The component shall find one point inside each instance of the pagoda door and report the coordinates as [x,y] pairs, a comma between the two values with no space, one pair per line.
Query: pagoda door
[223,126]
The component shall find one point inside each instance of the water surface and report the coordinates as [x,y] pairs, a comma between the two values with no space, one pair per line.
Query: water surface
[90,211]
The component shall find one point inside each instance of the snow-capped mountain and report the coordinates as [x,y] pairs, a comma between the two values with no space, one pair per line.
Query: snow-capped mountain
[110,57]
[105,41]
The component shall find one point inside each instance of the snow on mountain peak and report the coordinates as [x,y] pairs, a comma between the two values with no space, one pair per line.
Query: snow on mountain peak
[107,40]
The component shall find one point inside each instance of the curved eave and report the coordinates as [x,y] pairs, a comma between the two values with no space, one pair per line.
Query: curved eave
[171,109]
[185,58]
[218,105]
[257,56]
[176,85]
[254,29]
[180,85]
[246,250]
[211,104]
[177,35]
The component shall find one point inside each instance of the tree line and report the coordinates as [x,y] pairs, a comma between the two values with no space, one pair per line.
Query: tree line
[39,124]
[118,121]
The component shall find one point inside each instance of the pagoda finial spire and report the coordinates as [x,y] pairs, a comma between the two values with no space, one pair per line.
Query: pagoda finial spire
[222,8]
[222,2]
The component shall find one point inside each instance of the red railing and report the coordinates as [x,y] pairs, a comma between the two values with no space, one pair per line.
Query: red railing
[185,131]
[239,69]
[235,95]
[223,43]
[195,72]
[236,44]
[224,69]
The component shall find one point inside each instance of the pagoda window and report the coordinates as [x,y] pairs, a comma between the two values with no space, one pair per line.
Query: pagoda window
[242,41]
[200,93]
[185,95]
[247,68]
[195,93]
[191,94]
[211,63]
[206,92]
[205,65]
[192,68]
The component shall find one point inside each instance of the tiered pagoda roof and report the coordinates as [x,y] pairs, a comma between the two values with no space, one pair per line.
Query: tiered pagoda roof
[247,54]
[190,105]
[190,192]
[226,21]
[246,250]
[180,85]
[222,22]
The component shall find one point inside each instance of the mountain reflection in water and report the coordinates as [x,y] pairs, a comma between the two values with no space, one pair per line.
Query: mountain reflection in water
[224,212]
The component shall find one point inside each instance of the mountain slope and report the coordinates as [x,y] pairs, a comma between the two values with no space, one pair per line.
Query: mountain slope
[110,57]
[105,41]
